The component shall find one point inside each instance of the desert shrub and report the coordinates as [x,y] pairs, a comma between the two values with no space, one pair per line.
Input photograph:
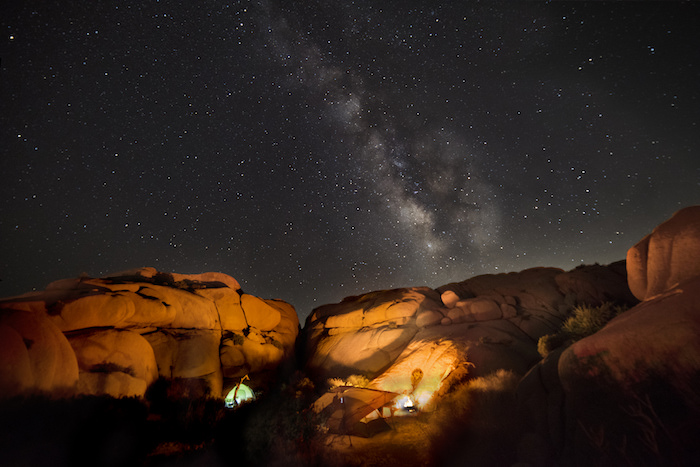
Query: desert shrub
[587,320]
[335,383]
[359,381]
[584,321]
[457,377]
[303,386]
[475,424]
[550,342]
[650,424]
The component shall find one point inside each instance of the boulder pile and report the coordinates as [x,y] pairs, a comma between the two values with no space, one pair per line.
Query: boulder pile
[116,335]
[491,321]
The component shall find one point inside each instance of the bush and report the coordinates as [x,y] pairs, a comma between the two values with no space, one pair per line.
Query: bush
[550,342]
[359,381]
[585,320]
[335,383]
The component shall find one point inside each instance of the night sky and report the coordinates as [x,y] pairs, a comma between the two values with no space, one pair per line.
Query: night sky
[315,150]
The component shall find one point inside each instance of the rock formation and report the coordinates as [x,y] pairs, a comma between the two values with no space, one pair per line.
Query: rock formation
[34,354]
[667,256]
[628,393]
[491,321]
[116,335]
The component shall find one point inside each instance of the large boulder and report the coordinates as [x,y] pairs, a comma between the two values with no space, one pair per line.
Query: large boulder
[228,306]
[365,334]
[129,328]
[106,351]
[259,314]
[535,290]
[667,256]
[361,351]
[35,356]
[596,284]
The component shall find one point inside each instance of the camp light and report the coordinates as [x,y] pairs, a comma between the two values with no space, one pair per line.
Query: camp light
[406,403]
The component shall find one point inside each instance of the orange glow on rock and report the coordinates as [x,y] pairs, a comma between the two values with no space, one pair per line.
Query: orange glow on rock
[419,372]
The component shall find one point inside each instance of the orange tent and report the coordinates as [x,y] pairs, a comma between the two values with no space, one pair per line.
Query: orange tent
[348,407]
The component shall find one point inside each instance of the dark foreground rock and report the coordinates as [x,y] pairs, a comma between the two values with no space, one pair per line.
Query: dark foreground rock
[628,394]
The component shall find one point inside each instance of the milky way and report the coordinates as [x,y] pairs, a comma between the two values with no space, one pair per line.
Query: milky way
[326,149]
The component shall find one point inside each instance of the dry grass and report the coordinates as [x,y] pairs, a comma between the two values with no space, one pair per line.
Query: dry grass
[476,424]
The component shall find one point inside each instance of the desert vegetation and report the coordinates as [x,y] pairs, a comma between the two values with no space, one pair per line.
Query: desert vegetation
[359,381]
[584,320]
[473,424]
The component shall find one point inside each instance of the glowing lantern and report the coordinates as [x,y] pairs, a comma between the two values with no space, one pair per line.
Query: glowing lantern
[406,404]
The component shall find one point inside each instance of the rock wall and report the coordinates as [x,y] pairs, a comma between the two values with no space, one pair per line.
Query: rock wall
[116,335]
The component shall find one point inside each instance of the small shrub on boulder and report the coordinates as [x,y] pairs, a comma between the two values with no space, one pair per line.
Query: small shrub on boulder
[584,321]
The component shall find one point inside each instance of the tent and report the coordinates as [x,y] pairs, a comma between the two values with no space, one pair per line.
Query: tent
[240,393]
[348,408]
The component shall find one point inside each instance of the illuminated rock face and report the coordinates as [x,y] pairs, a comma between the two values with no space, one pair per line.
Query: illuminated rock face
[116,335]
[34,354]
[667,256]
[114,351]
[491,321]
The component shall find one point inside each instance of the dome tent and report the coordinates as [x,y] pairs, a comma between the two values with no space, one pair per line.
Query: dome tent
[239,394]
[349,409]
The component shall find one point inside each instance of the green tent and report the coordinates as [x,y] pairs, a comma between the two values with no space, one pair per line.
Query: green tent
[240,393]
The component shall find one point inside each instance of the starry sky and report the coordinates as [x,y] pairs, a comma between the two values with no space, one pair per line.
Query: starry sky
[316,150]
